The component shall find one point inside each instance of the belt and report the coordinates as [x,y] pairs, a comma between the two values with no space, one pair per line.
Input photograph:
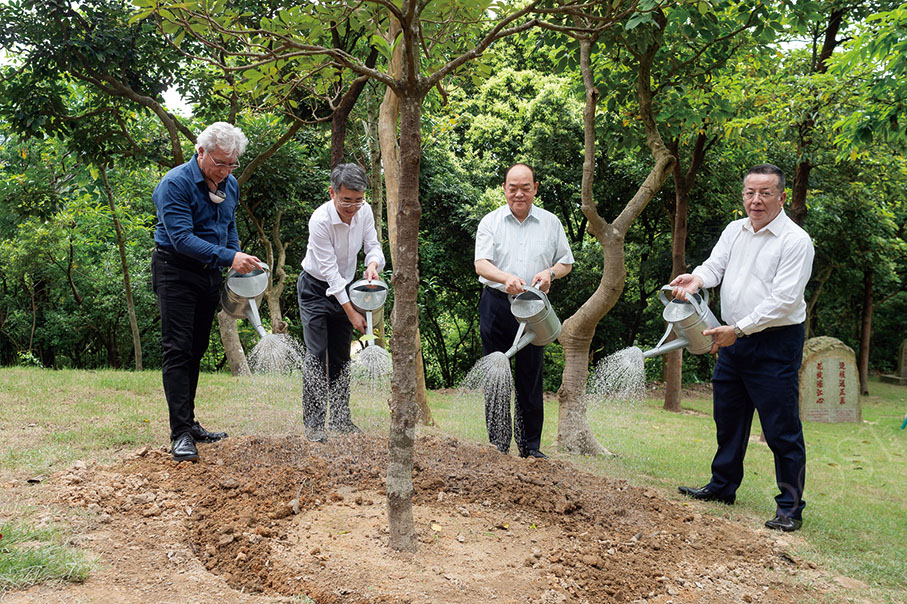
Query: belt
[775,328]
[182,261]
[497,293]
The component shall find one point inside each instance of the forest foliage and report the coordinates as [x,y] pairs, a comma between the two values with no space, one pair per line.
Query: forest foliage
[81,96]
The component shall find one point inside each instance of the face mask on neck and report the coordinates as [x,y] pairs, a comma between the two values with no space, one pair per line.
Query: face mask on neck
[217,196]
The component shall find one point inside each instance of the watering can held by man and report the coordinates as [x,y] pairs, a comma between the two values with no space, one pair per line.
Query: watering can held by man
[686,319]
[242,294]
[539,324]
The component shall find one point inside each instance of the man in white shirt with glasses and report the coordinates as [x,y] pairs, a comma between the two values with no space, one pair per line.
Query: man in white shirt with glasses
[338,230]
[763,263]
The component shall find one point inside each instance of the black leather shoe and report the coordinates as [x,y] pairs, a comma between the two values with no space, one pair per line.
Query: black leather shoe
[533,453]
[706,494]
[200,435]
[183,448]
[346,428]
[315,435]
[784,523]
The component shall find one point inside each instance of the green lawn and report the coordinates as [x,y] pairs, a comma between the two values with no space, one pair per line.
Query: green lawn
[855,522]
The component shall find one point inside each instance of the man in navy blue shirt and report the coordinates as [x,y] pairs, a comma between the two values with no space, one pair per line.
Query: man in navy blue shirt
[195,237]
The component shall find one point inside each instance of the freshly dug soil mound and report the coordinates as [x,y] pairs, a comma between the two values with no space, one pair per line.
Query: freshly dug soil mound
[284,517]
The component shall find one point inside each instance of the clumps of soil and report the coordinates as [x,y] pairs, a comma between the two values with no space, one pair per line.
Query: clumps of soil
[283,517]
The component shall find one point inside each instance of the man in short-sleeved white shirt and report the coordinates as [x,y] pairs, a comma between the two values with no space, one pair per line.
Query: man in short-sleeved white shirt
[517,244]
[338,230]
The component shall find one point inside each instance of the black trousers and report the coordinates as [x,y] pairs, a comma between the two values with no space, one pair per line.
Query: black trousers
[760,372]
[327,333]
[187,297]
[498,328]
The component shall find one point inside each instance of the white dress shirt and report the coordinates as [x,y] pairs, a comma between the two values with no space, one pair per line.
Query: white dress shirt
[521,248]
[763,274]
[334,246]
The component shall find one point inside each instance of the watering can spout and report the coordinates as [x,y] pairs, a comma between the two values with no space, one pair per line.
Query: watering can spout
[520,343]
[251,313]
[666,348]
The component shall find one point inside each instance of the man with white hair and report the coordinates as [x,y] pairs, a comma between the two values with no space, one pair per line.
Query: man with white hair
[194,238]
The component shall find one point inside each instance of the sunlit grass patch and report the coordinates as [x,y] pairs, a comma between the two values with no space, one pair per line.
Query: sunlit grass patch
[30,555]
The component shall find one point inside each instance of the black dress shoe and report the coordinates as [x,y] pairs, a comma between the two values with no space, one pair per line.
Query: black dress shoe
[200,435]
[706,494]
[533,453]
[183,448]
[784,523]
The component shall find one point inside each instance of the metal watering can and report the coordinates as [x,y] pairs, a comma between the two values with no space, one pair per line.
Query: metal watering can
[538,323]
[243,292]
[367,297]
[686,319]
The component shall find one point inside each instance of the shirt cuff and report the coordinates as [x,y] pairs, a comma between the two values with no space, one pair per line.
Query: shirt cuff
[706,284]
[745,325]
[342,297]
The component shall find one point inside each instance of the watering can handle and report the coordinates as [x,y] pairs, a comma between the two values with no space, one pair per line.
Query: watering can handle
[703,293]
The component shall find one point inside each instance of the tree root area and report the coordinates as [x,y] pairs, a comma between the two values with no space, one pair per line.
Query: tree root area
[281,519]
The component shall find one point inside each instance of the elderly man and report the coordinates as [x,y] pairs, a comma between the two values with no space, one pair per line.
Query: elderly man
[517,244]
[338,230]
[763,263]
[195,237]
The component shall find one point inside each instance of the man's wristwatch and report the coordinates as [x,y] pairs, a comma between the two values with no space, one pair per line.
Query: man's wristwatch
[738,332]
[553,276]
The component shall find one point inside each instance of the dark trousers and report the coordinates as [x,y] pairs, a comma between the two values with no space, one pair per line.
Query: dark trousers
[327,333]
[187,297]
[760,372]
[498,328]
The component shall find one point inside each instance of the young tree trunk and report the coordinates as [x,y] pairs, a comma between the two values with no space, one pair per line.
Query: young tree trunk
[229,336]
[865,331]
[806,128]
[820,280]
[404,409]
[393,174]
[127,284]
[574,433]
[683,184]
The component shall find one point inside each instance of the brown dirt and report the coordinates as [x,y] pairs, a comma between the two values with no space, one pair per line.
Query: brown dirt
[271,519]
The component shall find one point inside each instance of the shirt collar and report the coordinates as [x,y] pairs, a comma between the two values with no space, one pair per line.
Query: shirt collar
[196,171]
[532,214]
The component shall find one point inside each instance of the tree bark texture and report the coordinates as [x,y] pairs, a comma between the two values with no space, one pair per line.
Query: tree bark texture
[574,432]
[405,352]
[229,336]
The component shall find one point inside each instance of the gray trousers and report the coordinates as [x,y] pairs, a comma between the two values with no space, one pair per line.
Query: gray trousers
[327,333]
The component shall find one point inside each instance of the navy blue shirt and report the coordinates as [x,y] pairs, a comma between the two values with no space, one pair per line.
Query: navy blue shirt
[189,223]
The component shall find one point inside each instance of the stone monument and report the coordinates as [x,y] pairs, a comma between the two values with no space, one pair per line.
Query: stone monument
[900,377]
[829,384]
